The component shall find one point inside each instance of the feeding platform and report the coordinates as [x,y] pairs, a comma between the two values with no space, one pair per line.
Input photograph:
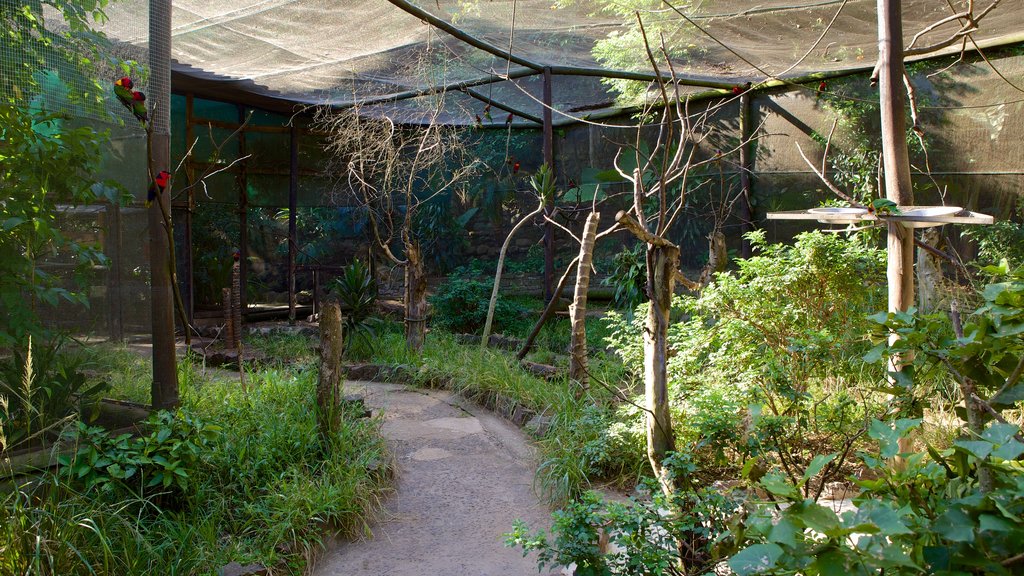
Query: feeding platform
[909,216]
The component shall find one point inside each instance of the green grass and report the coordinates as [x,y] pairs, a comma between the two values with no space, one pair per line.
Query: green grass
[268,489]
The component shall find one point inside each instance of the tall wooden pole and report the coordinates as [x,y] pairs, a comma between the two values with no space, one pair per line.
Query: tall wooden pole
[746,213]
[549,159]
[895,156]
[190,205]
[293,195]
[243,214]
[164,390]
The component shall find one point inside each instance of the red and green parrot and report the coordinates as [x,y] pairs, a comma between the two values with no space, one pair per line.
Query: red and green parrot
[123,91]
[139,106]
[157,187]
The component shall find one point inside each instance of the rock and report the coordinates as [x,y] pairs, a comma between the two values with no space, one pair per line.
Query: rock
[521,415]
[839,491]
[236,569]
[541,370]
[538,426]
[357,404]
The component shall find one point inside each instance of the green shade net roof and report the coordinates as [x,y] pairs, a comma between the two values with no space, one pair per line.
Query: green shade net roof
[278,53]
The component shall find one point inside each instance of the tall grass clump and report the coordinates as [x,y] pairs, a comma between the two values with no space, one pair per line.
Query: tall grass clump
[250,480]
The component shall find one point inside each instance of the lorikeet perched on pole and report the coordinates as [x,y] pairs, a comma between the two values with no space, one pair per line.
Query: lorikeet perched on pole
[139,106]
[157,187]
[123,91]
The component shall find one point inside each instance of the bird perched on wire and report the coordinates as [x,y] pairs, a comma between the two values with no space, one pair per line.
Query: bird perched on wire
[508,119]
[123,90]
[883,207]
[157,187]
[139,106]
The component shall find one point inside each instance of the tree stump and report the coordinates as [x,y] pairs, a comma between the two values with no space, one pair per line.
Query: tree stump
[328,387]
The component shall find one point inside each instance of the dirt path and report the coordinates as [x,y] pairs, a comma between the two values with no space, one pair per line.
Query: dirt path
[463,476]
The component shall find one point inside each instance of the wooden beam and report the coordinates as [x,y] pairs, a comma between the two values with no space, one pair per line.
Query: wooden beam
[484,98]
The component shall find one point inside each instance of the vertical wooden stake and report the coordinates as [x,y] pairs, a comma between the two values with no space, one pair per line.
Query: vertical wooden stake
[328,387]
[236,308]
[746,213]
[229,320]
[293,193]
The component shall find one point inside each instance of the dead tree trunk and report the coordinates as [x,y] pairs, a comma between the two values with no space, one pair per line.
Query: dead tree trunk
[497,274]
[415,298]
[328,387]
[662,271]
[578,309]
[662,266]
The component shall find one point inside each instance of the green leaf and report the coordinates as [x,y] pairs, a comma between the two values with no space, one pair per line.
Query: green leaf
[779,485]
[784,532]
[817,463]
[954,525]
[12,223]
[887,520]
[816,517]
[755,559]
[1009,451]
[993,523]
[977,448]
[1008,397]
[875,354]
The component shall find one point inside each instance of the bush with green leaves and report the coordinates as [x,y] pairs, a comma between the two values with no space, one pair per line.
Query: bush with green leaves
[767,354]
[163,460]
[460,306]
[629,277]
[652,534]
[187,498]
[356,291]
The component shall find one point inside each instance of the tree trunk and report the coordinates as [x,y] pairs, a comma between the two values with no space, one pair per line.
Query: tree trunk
[578,309]
[549,311]
[328,387]
[415,299]
[662,264]
[497,273]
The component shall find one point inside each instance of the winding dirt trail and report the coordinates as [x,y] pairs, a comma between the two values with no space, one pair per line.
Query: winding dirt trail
[463,476]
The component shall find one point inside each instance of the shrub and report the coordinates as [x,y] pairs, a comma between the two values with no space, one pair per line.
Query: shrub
[460,306]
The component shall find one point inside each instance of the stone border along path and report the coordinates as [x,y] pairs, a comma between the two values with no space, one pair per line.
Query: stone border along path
[463,475]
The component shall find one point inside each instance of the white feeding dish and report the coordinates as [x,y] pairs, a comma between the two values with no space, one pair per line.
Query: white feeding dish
[931,212]
[838,215]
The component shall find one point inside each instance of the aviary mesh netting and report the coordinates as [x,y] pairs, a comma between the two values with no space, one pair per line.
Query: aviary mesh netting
[269,61]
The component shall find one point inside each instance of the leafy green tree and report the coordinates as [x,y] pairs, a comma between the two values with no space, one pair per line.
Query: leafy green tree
[46,159]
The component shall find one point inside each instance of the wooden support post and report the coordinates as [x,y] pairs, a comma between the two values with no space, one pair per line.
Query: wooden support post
[243,213]
[293,195]
[164,390]
[328,387]
[112,248]
[746,212]
[895,156]
[549,159]
[190,200]
[236,308]
[229,318]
